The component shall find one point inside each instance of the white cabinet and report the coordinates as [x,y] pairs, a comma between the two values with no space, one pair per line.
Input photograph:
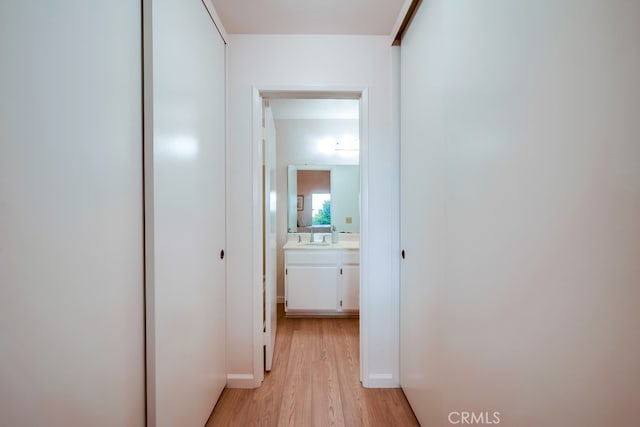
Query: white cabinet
[322,281]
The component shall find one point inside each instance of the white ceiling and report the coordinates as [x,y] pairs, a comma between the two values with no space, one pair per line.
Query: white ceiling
[315,108]
[346,17]
[365,17]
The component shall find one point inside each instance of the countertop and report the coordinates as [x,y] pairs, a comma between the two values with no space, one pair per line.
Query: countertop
[305,245]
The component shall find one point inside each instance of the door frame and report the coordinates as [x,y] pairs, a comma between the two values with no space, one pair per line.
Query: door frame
[302,92]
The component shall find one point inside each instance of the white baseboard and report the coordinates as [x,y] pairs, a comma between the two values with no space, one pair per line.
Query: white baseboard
[380,381]
[242,381]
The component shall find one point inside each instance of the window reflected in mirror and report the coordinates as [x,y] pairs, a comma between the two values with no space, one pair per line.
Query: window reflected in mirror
[321,209]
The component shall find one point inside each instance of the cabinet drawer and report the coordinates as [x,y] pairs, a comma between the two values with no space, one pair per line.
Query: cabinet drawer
[311,257]
[351,257]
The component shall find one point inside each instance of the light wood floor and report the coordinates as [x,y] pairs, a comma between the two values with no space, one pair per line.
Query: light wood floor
[314,382]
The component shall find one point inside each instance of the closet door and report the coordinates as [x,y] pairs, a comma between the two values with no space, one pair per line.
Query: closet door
[185,176]
[422,221]
[71,230]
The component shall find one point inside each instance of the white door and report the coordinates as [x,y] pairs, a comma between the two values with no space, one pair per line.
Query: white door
[185,214]
[270,237]
[71,229]
[420,256]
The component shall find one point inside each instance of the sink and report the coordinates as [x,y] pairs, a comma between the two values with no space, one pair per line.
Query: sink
[315,243]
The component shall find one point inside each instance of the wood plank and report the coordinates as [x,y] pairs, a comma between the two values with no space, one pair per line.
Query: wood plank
[327,402]
[347,352]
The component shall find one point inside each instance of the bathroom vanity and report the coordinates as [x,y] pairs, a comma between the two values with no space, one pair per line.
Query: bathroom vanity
[322,278]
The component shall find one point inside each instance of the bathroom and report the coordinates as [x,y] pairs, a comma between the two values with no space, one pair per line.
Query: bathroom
[317,154]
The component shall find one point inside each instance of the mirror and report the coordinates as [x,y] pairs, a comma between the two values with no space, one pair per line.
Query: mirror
[323,195]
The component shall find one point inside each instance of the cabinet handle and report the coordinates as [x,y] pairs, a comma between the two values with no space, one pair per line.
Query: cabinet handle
[402,253]
[340,271]
[221,253]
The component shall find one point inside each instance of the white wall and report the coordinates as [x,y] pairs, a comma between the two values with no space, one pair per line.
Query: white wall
[71,249]
[280,62]
[299,142]
[527,118]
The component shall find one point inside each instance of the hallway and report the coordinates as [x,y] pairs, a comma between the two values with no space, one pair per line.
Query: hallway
[499,206]
[314,382]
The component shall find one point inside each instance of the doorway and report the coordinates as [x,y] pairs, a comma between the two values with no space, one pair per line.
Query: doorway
[294,108]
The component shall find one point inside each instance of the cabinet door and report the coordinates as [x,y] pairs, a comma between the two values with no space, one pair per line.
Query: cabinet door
[311,287]
[350,292]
